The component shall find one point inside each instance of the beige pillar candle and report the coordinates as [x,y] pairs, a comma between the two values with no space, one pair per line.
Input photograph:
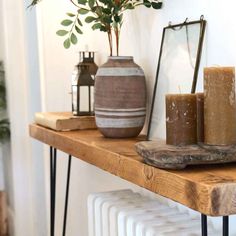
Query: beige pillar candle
[200,117]
[219,106]
[181,121]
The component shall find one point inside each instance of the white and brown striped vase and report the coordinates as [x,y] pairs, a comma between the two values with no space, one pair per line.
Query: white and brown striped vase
[120,98]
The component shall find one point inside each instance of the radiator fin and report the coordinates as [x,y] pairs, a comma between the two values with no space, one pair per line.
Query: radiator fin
[126,213]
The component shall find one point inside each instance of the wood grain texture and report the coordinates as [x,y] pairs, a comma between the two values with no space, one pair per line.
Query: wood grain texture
[63,121]
[159,154]
[208,189]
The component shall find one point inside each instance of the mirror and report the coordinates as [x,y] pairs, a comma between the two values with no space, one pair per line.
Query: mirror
[177,69]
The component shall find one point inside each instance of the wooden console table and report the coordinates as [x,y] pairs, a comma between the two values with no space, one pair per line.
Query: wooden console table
[210,190]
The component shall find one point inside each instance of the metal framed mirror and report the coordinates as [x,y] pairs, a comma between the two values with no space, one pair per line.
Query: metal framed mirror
[177,70]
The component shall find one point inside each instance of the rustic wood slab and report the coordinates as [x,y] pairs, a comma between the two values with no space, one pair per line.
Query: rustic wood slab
[64,121]
[159,154]
[209,189]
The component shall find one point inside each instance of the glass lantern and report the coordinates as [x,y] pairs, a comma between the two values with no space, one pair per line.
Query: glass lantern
[87,58]
[82,91]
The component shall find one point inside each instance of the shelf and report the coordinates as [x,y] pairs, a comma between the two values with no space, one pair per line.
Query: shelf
[210,190]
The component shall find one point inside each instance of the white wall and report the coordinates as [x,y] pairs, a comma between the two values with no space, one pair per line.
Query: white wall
[1,113]
[25,172]
[1,35]
[5,157]
[140,37]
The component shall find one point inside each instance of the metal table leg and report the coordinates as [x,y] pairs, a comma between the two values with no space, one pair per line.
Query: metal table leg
[225,225]
[204,225]
[67,196]
[53,172]
[53,166]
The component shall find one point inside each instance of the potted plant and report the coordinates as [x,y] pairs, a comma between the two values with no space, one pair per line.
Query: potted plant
[4,123]
[120,88]
[104,15]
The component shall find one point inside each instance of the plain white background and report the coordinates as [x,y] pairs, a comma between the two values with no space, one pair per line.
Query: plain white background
[38,77]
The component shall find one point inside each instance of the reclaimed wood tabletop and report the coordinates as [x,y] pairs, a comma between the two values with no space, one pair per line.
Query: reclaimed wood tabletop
[209,189]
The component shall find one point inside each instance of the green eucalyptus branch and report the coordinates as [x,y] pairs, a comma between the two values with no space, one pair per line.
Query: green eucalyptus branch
[33,3]
[104,15]
[74,3]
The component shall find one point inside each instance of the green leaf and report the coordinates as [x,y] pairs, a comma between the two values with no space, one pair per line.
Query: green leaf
[78,30]
[83,11]
[93,9]
[107,19]
[90,19]
[117,19]
[73,38]
[66,22]
[66,43]
[106,11]
[98,10]
[147,3]
[4,130]
[157,5]
[70,14]
[62,32]
[91,3]
[96,26]
[83,2]
[116,9]
[129,6]
[33,3]
[4,122]
[104,1]
[103,28]
[79,22]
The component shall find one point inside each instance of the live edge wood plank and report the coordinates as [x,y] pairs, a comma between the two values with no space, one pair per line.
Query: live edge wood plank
[210,190]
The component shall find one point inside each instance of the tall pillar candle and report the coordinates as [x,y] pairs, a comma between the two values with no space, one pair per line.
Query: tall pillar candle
[219,106]
[181,119]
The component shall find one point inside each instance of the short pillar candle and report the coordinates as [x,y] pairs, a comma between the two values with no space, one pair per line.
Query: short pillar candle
[181,119]
[219,106]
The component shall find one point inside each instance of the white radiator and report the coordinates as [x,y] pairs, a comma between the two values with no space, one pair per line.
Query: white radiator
[125,213]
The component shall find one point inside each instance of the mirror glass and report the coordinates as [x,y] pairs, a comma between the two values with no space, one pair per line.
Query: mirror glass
[177,69]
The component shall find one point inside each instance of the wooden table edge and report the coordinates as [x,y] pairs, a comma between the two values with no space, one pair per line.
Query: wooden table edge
[213,201]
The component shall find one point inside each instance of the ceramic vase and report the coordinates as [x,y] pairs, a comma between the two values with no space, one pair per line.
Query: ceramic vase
[120,98]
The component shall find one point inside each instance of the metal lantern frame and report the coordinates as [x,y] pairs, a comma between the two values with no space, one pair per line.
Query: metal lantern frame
[87,58]
[84,79]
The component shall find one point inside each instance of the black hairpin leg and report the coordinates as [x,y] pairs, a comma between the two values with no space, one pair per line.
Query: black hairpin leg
[225,225]
[204,225]
[53,166]
[67,196]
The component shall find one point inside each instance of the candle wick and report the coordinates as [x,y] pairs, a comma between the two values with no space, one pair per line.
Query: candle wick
[179,89]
